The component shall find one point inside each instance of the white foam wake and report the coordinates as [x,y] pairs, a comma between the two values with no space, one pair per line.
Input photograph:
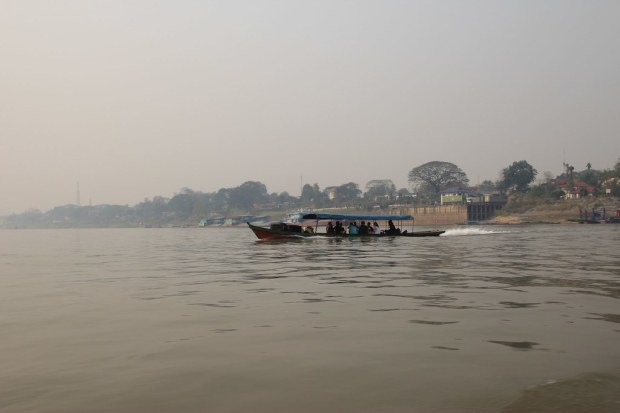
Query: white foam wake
[471,231]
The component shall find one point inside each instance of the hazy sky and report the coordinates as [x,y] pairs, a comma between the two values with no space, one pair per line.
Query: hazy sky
[137,98]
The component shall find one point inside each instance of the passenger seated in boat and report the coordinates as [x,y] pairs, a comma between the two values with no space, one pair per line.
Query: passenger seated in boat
[330,228]
[371,231]
[309,230]
[376,228]
[353,228]
[339,229]
[363,230]
[392,229]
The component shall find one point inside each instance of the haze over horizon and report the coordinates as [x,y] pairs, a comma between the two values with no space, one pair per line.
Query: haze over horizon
[134,99]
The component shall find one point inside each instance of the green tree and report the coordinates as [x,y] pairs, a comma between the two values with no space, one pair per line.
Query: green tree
[545,191]
[403,195]
[307,194]
[487,187]
[347,193]
[311,195]
[285,199]
[590,176]
[149,212]
[247,194]
[431,177]
[202,204]
[220,201]
[379,188]
[182,205]
[403,192]
[517,176]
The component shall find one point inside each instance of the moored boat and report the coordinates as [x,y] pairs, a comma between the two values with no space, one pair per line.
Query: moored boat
[283,230]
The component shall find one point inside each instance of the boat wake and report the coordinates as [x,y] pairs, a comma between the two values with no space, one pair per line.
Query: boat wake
[471,231]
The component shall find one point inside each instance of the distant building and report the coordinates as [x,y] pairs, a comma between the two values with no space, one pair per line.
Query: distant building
[454,195]
[494,198]
[610,184]
[573,189]
[331,192]
[459,195]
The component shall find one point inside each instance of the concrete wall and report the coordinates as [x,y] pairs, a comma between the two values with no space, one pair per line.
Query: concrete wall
[436,215]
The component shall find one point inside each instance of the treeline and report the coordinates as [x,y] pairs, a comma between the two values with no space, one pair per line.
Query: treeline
[188,206]
[427,182]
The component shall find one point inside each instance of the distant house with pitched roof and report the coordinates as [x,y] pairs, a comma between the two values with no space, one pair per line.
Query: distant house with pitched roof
[573,189]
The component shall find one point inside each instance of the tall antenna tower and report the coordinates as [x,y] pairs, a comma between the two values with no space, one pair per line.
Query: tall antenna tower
[77,195]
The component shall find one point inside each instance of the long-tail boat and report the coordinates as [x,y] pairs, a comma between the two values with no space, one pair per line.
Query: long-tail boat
[283,230]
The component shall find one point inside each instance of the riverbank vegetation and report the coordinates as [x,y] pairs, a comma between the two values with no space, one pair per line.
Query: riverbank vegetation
[562,197]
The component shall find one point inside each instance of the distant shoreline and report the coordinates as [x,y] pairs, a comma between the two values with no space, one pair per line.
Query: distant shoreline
[558,212]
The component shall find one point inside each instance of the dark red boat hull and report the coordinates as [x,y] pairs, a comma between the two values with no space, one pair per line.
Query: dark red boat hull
[274,234]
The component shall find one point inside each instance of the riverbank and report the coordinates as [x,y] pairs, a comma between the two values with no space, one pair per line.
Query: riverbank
[520,210]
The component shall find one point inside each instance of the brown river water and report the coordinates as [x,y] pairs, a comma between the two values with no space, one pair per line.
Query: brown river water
[482,319]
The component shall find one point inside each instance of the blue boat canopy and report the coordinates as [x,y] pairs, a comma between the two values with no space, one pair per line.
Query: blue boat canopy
[355,217]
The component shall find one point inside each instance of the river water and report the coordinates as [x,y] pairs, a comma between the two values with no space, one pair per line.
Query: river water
[481,319]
